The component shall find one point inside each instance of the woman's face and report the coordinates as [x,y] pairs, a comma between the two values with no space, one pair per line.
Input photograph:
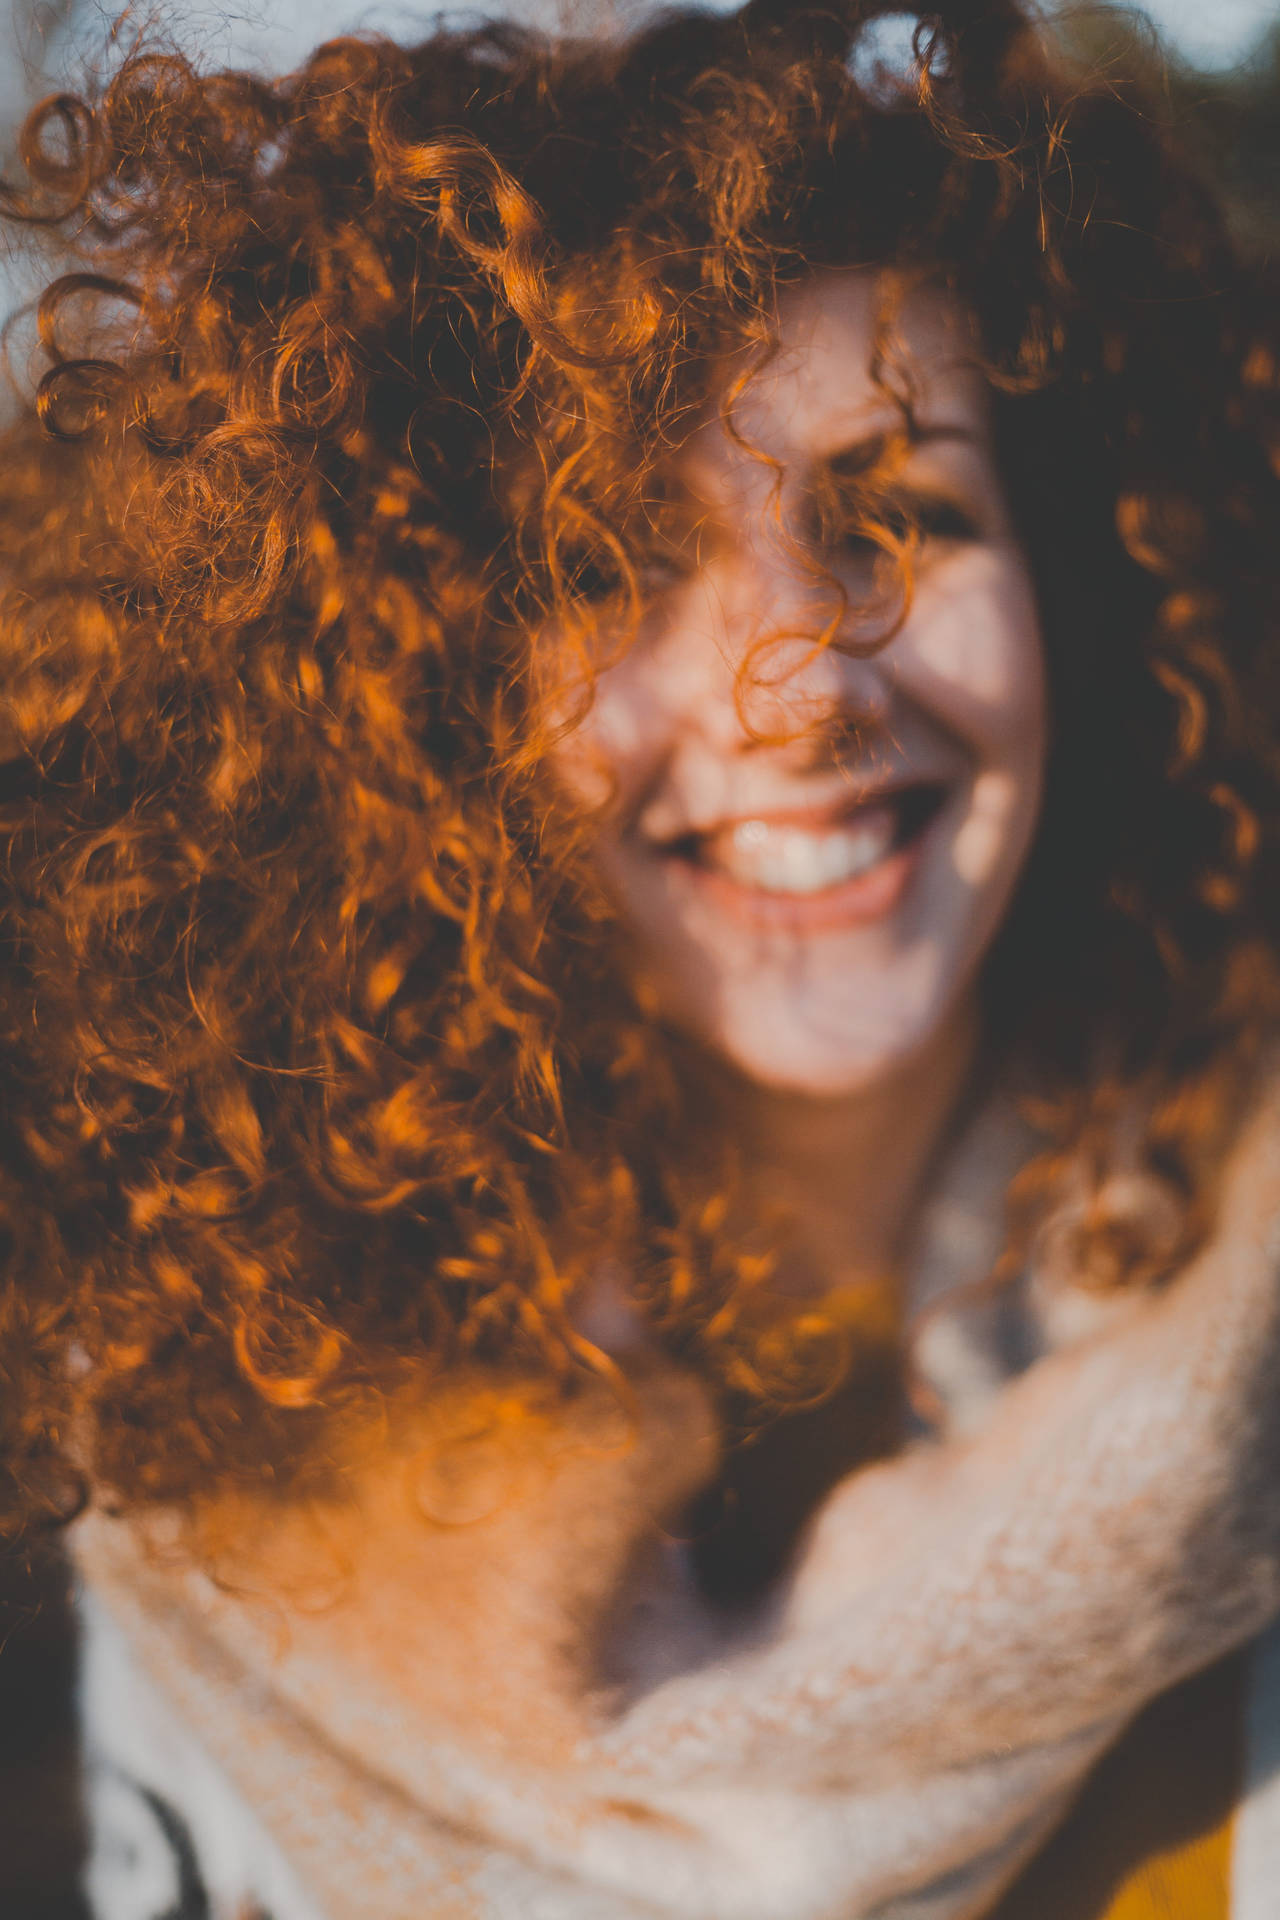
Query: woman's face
[815,855]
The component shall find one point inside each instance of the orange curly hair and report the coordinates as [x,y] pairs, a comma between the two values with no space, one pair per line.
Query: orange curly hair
[321,1064]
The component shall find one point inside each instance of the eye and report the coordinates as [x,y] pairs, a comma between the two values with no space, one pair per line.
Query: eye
[942,519]
[926,523]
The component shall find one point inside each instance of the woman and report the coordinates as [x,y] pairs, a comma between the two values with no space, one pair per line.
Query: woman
[639,685]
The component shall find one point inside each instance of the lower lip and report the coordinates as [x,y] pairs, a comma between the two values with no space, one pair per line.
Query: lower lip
[858,902]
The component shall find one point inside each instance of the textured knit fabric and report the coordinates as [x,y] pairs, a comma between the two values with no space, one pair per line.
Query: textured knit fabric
[970,1627]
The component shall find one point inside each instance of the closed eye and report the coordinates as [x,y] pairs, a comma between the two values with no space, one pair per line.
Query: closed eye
[905,520]
[866,499]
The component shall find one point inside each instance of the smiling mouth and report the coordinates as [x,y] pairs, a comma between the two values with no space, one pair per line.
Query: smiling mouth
[790,859]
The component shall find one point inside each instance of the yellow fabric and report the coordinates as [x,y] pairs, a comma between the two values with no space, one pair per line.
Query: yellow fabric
[1190,1882]
[1150,1837]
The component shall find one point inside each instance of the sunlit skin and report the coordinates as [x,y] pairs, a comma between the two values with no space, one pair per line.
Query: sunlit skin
[816,855]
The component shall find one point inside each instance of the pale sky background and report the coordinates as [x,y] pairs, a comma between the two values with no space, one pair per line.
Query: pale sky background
[1211,34]
[1207,33]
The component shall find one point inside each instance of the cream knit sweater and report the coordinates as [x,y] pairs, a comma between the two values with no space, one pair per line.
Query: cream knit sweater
[391,1708]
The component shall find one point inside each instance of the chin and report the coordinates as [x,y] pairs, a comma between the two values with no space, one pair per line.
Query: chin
[780,1052]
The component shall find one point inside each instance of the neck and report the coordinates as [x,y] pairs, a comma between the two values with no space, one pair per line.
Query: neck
[847,1171]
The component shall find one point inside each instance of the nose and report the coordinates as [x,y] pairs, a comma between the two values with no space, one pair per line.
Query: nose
[744,660]
[763,651]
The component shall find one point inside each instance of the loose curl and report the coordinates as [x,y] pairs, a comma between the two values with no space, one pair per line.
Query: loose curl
[323,1068]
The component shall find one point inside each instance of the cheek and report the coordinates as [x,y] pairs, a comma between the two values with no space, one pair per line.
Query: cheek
[582,766]
[611,752]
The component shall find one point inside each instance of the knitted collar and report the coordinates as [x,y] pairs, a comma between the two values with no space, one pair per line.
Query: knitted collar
[968,1626]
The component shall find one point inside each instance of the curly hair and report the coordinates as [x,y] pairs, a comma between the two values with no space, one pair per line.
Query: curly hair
[322,1064]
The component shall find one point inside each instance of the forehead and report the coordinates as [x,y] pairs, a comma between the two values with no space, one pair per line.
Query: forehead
[853,358]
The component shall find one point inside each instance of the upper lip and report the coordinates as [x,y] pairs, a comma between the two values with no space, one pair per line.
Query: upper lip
[814,815]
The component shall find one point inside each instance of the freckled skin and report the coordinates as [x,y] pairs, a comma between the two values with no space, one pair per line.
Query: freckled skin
[956,696]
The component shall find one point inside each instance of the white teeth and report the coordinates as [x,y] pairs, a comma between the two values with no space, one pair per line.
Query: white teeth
[775,857]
